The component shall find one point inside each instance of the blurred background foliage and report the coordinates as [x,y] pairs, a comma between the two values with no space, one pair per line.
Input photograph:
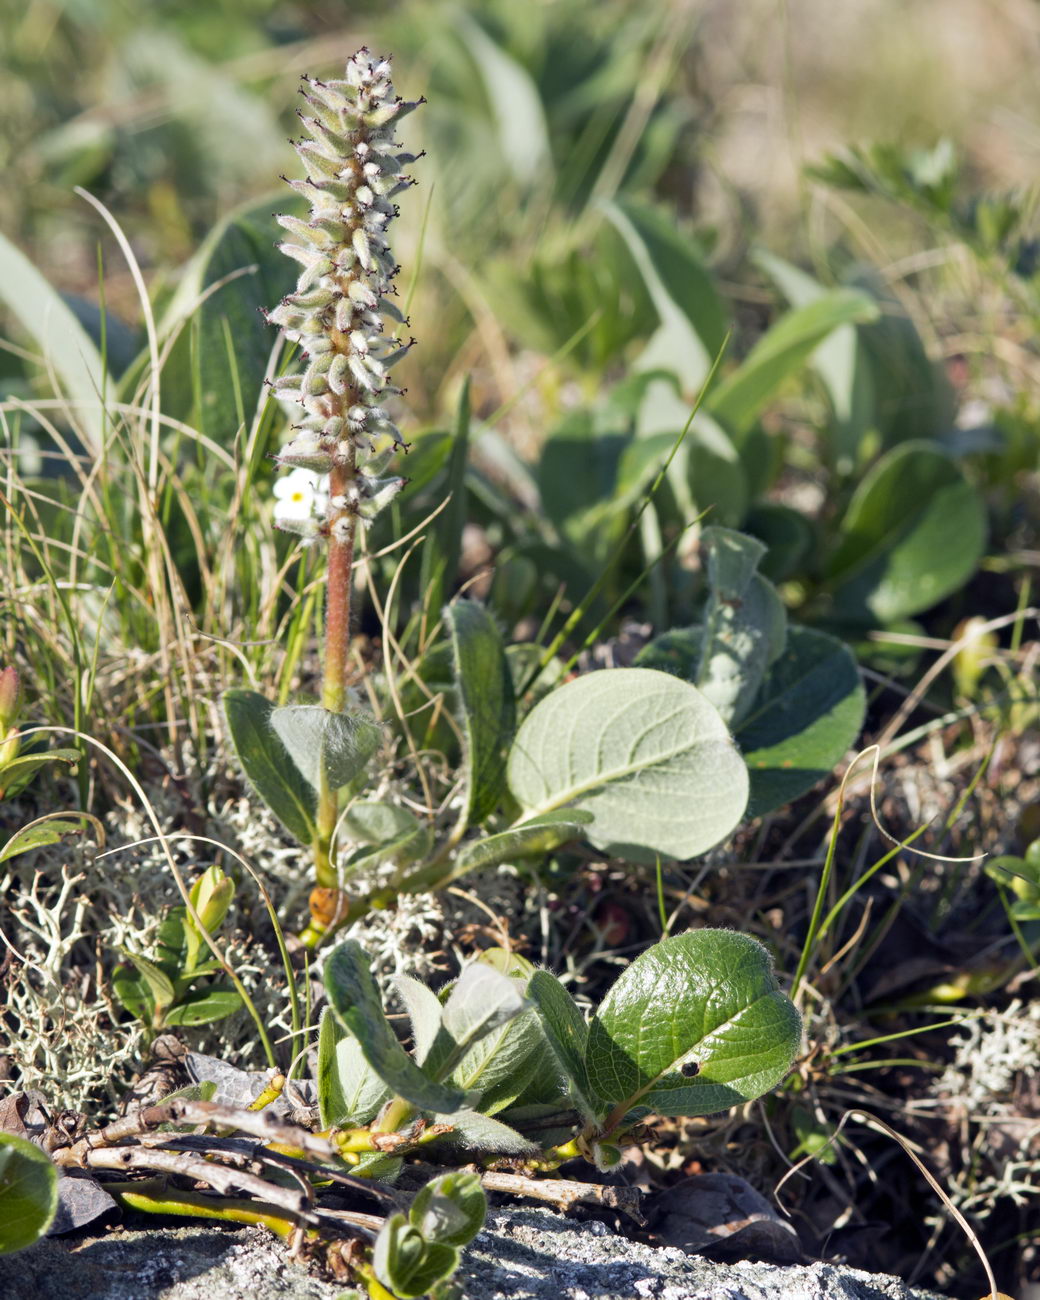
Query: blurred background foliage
[173,112]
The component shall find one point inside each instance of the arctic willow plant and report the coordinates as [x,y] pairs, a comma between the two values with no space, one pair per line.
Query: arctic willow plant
[338,315]
[639,762]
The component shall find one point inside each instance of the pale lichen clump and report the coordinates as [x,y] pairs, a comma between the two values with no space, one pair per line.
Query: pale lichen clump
[344,299]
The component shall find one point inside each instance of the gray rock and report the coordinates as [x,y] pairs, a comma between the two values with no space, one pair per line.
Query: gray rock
[522,1255]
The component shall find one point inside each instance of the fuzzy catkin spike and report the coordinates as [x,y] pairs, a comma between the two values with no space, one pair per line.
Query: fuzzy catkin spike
[339,311]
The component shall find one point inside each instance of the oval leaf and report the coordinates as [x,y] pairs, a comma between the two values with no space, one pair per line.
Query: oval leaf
[913,533]
[28,1193]
[695,1025]
[565,1028]
[317,740]
[645,753]
[204,1006]
[450,1209]
[809,711]
[267,764]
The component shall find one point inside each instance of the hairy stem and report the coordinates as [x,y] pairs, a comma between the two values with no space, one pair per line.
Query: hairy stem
[342,534]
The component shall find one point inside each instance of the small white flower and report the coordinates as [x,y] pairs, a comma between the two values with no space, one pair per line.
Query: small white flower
[300,495]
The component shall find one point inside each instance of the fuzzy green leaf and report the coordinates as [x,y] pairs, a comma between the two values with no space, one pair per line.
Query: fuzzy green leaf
[806,714]
[317,741]
[406,1263]
[267,764]
[565,1028]
[695,1025]
[354,998]
[450,1209]
[646,754]
[424,1012]
[745,623]
[349,1090]
[386,825]
[475,1130]
[532,838]
[485,692]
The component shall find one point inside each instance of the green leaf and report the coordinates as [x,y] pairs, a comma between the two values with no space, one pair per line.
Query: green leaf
[482,1000]
[695,1025]
[914,532]
[450,1209]
[387,832]
[487,1038]
[646,754]
[424,1011]
[808,712]
[355,1000]
[443,546]
[497,1070]
[487,704]
[532,838]
[786,533]
[677,652]
[349,1090]
[706,473]
[740,398]
[565,1028]
[577,474]
[16,772]
[841,361]
[220,359]
[203,1006]
[692,319]
[40,834]
[28,1193]
[912,394]
[65,345]
[205,1090]
[160,986]
[317,740]
[408,1265]
[475,1130]
[267,764]
[745,623]
[373,822]
[133,994]
[523,132]
[805,715]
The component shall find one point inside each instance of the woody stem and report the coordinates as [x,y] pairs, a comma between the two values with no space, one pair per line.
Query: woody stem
[342,533]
